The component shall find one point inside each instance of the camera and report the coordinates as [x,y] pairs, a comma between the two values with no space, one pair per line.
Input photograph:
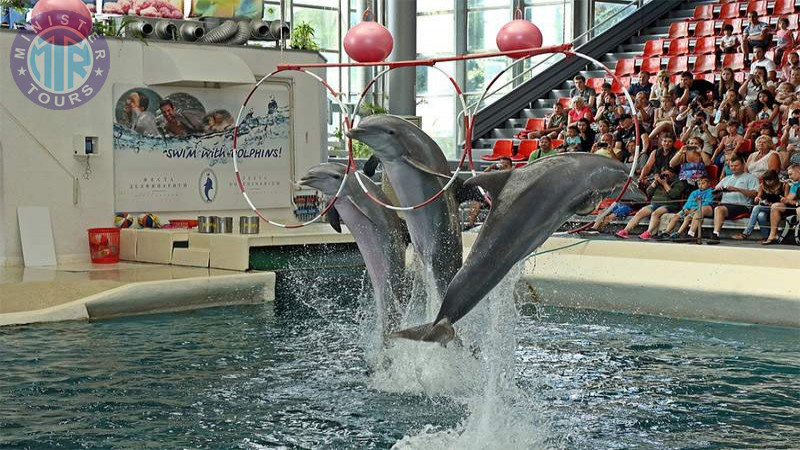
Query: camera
[602,144]
[794,121]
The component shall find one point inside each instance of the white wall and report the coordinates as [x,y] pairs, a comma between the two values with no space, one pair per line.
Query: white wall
[31,177]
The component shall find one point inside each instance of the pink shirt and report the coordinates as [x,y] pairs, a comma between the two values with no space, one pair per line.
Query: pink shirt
[785,38]
[576,114]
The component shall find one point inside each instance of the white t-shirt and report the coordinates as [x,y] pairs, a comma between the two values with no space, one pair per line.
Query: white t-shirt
[729,41]
[744,181]
[765,63]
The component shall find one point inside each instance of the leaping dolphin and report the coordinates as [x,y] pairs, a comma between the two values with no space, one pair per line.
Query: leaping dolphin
[528,205]
[418,169]
[378,232]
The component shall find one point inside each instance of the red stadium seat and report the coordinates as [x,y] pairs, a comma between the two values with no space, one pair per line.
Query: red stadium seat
[675,79]
[729,11]
[770,54]
[679,30]
[740,76]
[782,7]
[526,147]
[653,48]
[736,23]
[678,47]
[704,28]
[616,88]
[535,124]
[705,46]
[595,83]
[556,143]
[759,6]
[565,102]
[624,67]
[713,174]
[502,147]
[710,77]
[733,60]
[678,64]
[703,12]
[747,146]
[651,65]
[705,63]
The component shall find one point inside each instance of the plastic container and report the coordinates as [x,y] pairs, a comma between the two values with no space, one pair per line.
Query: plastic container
[104,245]
[183,223]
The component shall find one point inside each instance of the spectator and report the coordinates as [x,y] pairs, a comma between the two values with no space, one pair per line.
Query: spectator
[790,141]
[644,84]
[572,141]
[692,161]
[792,61]
[609,110]
[579,111]
[603,127]
[587,135]
[755,33]
[784,98]
[605,146]
[689,89]
[700,200]
[604,90]
[729,43]
[624,137]
[644,111]
[791,200]
[699,127]
[738,191]
[729,145]
[795,79]
[764,158]
[662,88]
[785,38]
[756,82]
[727,81]
[665,193]
[473,195]
[763,110]
[664,117]
[545,149]
[581,90]
[760,60]
[770,191]
[659,159]
[556,122]
[730,108]
[612,213]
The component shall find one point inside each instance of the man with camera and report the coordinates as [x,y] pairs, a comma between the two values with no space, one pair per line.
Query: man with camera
[738,191]
[659,158]
[690,89]
[699,127]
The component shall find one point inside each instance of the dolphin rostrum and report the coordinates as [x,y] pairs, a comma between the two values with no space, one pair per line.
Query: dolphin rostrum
[528,205]
[418,169]
[378,232]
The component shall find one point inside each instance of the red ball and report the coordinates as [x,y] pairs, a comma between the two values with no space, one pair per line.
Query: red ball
[518,34]
[368,42]
[81,22]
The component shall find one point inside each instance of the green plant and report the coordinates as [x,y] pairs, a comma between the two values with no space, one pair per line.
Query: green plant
[13,4]
[303,37]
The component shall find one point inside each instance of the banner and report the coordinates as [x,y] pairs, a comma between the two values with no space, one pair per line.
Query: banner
[173,148]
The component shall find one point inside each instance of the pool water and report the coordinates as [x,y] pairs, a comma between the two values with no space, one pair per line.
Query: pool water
[294,374]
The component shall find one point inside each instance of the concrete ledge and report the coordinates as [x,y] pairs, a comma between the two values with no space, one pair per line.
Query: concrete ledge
[157,297]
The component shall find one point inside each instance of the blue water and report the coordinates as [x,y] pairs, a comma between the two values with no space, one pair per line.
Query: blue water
[293,375]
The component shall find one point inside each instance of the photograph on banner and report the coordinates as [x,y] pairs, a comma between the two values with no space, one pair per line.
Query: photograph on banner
[173,148]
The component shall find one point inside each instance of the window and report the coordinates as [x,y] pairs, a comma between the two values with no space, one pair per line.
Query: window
[603,11]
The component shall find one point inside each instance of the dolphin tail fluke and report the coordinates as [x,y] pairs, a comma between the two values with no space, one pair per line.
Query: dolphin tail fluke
[441,332]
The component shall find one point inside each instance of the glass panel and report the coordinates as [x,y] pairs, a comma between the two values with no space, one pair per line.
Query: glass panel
[438,115]
[436,34]
[326,3]
[483,3]
[482,28]
[603,11]
[481,71]
[332,73]
[432,82]
[325,23]
[434,5]
[550,20]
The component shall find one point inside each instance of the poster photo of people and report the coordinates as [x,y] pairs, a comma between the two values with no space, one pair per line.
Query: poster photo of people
[173,148]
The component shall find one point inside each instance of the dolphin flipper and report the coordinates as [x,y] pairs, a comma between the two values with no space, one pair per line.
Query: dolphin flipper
[492,182]
[441,332]
[334,220]
[371,165]
[424,168]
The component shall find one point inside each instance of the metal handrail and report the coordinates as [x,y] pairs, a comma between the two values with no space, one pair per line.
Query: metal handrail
[637,3]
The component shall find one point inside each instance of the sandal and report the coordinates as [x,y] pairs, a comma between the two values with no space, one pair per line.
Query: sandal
[740,236]
[769,241]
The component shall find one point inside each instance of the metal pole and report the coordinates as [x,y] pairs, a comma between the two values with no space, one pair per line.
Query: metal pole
[402,23]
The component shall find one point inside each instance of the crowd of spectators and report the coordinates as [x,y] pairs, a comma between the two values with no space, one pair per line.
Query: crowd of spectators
[725,149]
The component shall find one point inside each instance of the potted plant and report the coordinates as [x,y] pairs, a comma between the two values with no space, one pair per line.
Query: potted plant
[303,37]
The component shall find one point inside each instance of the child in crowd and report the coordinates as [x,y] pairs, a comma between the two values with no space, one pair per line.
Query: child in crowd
[788,205]
[572,142]
[785,38]
[700,199]
[770,191]
[612,213]
[729,42]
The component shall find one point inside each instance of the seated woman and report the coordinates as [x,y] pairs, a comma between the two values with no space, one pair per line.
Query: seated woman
[700,200]
[770,191]
[579,111]
[730,108]
[665,194]
[586,134]
[764,158]
[757,81]
[692,161]
[605,146]
[728,145]
[662,88]
[764,110]
[556,122]
[664,117]
[609,110]
[788,205]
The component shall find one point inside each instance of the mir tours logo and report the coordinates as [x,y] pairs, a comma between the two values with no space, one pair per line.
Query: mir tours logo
[61,64]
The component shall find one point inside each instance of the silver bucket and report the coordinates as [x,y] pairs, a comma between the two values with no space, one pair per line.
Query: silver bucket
[205,224]
[225,225]
[248,225]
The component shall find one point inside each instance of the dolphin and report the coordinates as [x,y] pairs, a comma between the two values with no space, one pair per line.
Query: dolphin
[378,232]
[528,205]
[418,169]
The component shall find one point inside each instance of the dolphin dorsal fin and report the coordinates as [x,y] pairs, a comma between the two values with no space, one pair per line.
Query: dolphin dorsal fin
[492,182]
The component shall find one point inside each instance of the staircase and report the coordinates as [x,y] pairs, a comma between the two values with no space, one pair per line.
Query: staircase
[632,48]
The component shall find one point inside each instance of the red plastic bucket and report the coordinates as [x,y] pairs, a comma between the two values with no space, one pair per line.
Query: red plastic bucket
[104,245]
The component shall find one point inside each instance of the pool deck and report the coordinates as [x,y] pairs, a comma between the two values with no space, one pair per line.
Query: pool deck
[87,291]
